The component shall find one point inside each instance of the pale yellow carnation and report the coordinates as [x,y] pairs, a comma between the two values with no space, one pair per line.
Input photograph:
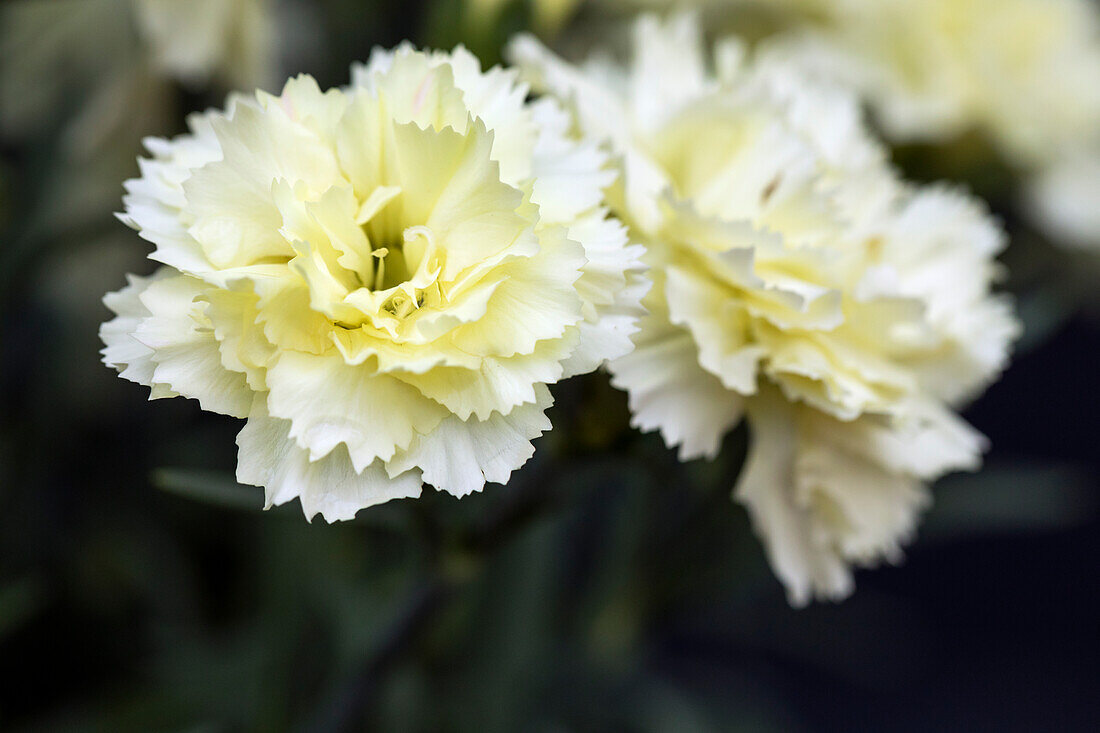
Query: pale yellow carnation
[797,282]
[1025,72]
[383,280]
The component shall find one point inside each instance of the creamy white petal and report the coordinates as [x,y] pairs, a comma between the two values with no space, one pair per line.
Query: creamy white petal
[329,402]
[498,98]
[668,391]
[236,221]
[569,174]
[606,334]
[132,359]
[185,354]
[669,67]
[498,384]
[719,326]
[826,494]
[330,486]
[805,567]
[459,457]
[602,110]
[862,508]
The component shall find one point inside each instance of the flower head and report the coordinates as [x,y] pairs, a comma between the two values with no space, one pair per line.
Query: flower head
[796,281]
[1022,71]
[382,279]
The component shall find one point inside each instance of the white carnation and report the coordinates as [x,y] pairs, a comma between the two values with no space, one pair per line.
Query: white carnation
[1022,71]
[383,279]
[797,282]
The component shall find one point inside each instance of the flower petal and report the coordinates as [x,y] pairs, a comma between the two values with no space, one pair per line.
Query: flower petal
[785,525]
[329,402]
[498,384]
[330,486]
[459,457]
[668,391]
[185,352]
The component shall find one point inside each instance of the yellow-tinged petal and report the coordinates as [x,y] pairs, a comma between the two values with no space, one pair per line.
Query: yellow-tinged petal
[498,384]
[718,323]
[122,351]
[537,301]
[670,392]
[242,345]
[459,457]
[329,402]
[185,353]
[330,486]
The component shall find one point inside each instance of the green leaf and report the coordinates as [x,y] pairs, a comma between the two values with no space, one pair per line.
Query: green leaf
[212,487]
[1009,497]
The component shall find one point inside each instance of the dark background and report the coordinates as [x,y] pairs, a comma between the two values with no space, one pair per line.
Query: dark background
[607,587]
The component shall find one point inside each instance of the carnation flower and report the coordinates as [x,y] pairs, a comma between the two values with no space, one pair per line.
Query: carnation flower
[383,280]
[798,283]
[1023,71]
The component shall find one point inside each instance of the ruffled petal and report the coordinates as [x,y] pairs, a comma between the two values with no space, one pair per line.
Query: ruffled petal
[236,220]
[606,332]
[498,384]
[497,98]
[569,174]
[185,353]
[826,494]
[242,345]
[717,321]
[668,391]
[329,402]
[601,110]
[459,457]
[132,359]
[669,67]
[329,486]
[536,301]
[785,525]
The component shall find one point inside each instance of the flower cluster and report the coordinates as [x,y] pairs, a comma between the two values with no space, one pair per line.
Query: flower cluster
[798,282]
[385,279]
[382,279]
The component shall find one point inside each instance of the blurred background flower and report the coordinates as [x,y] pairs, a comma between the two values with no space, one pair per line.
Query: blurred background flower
[799,285]
[608,586]
[999,94]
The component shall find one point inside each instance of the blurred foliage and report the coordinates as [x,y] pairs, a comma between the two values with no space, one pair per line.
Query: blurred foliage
[608,587]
